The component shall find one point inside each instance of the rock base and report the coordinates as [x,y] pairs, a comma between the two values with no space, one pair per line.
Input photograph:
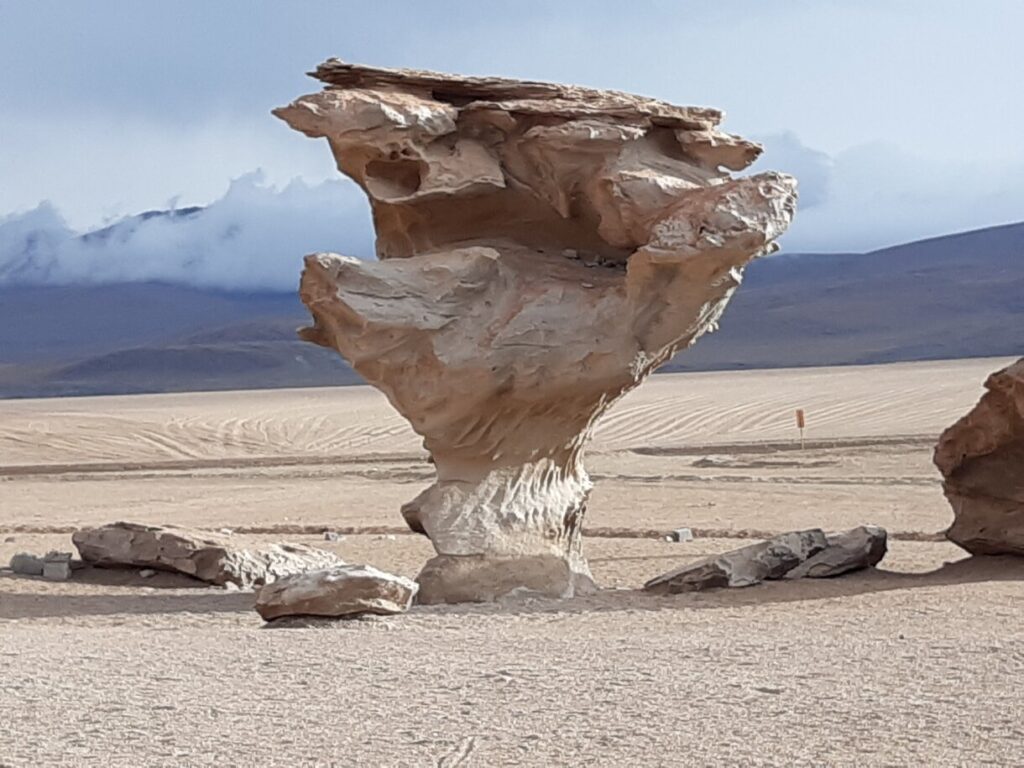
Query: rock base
[481,579]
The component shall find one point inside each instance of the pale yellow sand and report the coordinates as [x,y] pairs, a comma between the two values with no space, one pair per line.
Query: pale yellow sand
[917,664]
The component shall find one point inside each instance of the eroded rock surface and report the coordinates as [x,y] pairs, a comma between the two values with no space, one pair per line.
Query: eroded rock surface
[542,248]
[845,551]
[344,590]
[981,458]
[205,556]
[743,567]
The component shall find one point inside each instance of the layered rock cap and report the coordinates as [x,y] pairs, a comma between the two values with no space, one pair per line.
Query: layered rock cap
[541,249]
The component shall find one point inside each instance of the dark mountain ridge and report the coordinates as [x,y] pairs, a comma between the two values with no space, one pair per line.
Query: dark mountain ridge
[960,295]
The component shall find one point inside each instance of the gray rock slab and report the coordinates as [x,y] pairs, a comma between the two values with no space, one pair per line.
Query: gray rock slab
[852,550]
[743,567]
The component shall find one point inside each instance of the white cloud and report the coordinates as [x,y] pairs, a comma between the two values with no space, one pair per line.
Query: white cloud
[106,167]
[875,195]
[253,238]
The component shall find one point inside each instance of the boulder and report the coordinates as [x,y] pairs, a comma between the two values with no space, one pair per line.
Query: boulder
[212,558]
[25,564]
[743,567]
[541,249]
[340,591]
[57,566]
[852,550]
[981,458]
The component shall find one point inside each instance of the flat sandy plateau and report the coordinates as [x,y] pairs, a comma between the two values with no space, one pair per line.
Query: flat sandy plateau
[918,663]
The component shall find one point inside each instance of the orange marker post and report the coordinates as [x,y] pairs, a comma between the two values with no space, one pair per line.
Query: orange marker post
[800,424]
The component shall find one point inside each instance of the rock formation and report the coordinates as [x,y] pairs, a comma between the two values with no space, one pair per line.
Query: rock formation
[204,556]
[341,591]
[542,248]
[845,551]
[743,567]
[981,458]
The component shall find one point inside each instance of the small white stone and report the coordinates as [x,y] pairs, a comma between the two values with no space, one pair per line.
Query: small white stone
[147,573]
[681,534]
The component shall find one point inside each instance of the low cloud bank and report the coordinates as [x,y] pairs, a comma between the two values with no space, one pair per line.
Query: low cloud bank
[253,238]
[875,195]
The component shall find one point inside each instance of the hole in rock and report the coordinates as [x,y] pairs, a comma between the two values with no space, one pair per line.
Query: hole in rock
[389,179]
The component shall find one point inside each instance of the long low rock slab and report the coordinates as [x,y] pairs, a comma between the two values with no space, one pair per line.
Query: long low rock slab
[337,592]
[852,550]
[209,557]
[743,567]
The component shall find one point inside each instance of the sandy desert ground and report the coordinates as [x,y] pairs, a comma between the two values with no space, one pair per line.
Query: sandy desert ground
[918,663]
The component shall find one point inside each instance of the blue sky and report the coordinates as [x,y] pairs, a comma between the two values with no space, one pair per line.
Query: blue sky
[901,118]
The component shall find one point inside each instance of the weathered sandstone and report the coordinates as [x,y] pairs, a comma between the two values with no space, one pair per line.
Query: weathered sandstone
[542,248]
[205,556]
[743,567]
[341,591]
[981,458]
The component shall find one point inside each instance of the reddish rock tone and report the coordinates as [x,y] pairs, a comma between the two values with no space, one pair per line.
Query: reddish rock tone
[981,458]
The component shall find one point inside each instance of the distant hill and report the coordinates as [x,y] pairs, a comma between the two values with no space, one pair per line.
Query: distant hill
[946,297]
[956,296]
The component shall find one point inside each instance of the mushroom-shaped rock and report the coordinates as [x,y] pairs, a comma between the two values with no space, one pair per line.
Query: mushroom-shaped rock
[542,248]
[981,458]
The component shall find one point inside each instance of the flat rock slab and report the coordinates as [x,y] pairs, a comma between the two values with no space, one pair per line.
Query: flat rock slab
[337,592]
[852,550]
[209,557]
[743,567]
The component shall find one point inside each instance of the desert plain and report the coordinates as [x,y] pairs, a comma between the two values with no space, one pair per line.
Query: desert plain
[916,663]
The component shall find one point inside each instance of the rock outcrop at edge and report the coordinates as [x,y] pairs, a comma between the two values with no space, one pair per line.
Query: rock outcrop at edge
[981,458]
